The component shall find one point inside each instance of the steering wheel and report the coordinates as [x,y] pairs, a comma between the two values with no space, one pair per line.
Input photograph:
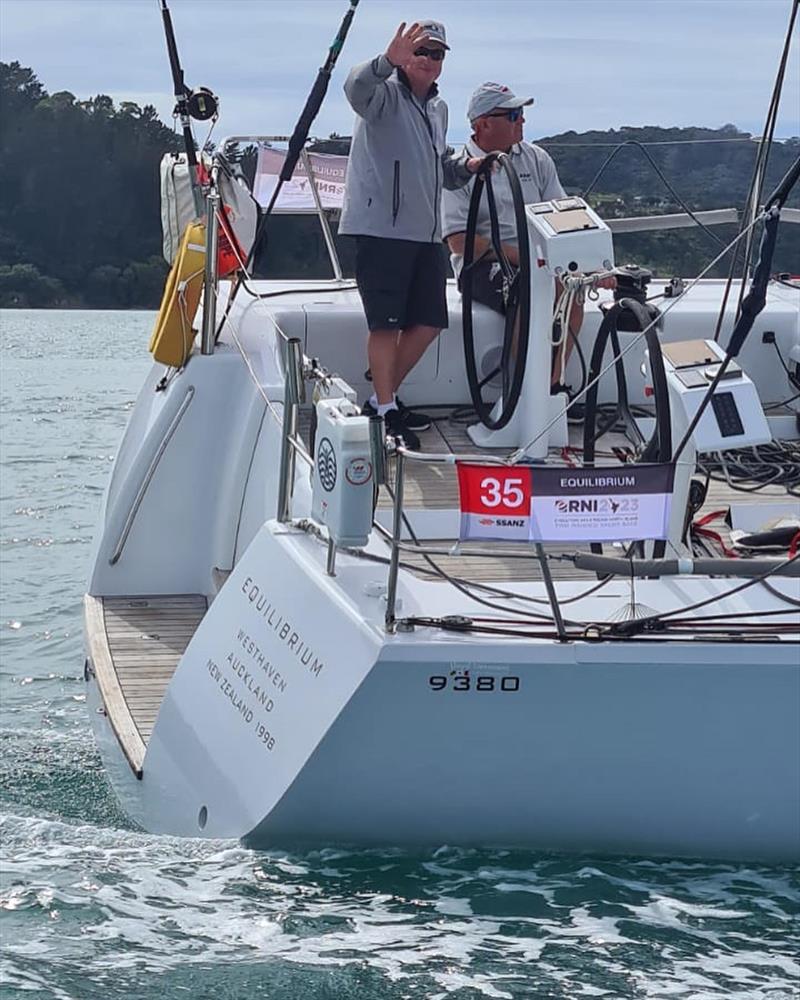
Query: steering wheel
[516,290]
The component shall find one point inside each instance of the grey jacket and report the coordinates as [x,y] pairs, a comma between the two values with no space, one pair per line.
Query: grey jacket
[399,158]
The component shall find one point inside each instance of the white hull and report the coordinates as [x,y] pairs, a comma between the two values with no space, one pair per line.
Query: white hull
[651,747]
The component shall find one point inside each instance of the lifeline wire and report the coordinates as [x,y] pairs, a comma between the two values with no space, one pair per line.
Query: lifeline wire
[658,618]
[670,188]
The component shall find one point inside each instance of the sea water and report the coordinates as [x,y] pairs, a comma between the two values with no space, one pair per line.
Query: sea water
[93,909]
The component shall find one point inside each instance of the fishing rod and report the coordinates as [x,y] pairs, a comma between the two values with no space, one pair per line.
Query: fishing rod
[200,104]
[296,143]
[310,111]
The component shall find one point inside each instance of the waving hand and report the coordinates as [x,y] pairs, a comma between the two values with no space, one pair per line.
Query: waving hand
[402,46]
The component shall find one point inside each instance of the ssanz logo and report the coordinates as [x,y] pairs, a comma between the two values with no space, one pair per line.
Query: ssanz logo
[502,522]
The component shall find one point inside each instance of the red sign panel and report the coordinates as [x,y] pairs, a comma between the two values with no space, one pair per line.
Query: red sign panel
[495,501]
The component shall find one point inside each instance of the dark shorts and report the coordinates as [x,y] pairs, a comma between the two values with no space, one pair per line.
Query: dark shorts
[402,283]
[487,285]
[487,288]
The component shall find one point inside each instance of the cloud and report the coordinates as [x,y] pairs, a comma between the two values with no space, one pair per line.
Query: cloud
[589,65]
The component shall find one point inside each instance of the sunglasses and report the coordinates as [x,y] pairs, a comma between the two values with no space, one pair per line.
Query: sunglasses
[513,115]
[436,54]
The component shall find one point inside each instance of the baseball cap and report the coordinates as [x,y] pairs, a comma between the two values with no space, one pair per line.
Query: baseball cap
[489,96]
[435,32]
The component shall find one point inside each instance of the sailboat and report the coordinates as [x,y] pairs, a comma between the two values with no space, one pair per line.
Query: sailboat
[535,631]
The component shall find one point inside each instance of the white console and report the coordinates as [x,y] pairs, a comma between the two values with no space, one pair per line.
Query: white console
[565,238]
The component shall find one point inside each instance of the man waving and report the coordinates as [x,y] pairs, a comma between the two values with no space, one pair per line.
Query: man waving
[399,163]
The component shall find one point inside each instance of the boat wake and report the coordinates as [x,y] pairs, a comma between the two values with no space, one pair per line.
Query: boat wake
[103,910]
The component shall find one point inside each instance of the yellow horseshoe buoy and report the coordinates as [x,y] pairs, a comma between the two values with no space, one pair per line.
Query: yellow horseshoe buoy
[171,342]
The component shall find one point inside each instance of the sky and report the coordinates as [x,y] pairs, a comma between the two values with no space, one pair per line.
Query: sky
[588,63]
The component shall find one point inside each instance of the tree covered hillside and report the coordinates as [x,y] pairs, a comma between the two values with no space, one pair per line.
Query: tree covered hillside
[79,199]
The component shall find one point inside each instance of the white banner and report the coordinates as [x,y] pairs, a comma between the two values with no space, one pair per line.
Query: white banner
[296,194]
[611,504]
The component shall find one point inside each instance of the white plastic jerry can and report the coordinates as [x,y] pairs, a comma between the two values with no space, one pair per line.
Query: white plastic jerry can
[342,484]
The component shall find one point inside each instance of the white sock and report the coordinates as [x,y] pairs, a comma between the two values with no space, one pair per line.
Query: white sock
[373,401]
[383,408]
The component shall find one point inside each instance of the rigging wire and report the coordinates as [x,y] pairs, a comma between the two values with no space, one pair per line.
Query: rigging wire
[766,141]
[658,619]
[777,593]
[757,180]
[658,142]
[638,145]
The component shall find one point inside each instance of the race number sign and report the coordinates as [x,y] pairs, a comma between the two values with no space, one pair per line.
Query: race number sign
[538,504]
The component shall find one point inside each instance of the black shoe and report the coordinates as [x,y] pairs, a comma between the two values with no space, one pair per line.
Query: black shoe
[413,419]
[401,432]
[368,410]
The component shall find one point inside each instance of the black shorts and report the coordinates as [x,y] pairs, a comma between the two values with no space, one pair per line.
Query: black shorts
[487,285]
[487,288]
[402,283]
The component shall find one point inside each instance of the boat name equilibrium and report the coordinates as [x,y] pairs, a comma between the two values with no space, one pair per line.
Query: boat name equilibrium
[282,628]
[572,482]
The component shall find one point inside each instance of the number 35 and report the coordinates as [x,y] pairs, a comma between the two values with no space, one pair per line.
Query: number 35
[509,492]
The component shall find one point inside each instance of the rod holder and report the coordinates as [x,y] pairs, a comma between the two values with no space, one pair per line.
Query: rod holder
[211,275]
[293,395]
[330,567]
[377,448]
[397,531]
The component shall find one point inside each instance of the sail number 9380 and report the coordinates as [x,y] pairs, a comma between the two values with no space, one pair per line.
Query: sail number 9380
[465,682]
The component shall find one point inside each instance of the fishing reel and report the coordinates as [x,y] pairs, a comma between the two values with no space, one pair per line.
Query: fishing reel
[200,104]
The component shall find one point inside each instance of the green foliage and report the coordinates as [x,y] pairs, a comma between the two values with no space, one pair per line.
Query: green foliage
[79,201]
[23,285]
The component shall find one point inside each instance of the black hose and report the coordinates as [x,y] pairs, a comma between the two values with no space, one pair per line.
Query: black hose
[659,447]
